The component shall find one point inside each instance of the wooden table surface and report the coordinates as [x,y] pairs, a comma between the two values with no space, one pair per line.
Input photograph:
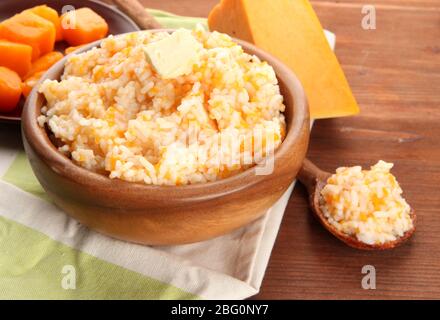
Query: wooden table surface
[394,72]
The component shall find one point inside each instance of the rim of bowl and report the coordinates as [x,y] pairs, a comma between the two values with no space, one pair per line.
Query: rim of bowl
[39,141]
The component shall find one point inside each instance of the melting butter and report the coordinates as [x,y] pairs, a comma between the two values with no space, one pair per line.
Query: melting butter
[174,55]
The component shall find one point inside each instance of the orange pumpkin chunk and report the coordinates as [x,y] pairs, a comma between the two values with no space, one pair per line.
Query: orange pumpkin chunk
[51,15]
[28,28]
[16,56]
[10,89]
[83,26]
[30,82]
[44,62]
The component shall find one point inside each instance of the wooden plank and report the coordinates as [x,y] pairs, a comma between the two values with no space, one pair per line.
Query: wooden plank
[394,72]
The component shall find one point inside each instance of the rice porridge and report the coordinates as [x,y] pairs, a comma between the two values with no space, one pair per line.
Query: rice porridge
[367,204]
[114,114]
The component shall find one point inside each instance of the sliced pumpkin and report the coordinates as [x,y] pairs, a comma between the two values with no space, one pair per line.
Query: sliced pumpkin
[10,89]
[16,56]
[30,29]
[30,82]
[49,14]
[44,62]
[83,26]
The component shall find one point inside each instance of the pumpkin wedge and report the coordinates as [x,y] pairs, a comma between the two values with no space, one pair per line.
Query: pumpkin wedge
[291,31]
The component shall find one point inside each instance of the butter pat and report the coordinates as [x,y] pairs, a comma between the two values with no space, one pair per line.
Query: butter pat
[175,55]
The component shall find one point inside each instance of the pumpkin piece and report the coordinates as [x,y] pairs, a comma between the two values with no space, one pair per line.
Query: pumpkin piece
[51,15]
[69,50]
[10,89]
[30,82]
[44,63]
[28,28]
[83,26]
[291,31]
[16,56]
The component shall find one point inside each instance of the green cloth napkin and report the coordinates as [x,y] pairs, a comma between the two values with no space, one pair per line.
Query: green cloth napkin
[172,21]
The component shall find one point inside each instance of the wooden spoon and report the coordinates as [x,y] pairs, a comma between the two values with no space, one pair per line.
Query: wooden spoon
[135,10]
[314,179]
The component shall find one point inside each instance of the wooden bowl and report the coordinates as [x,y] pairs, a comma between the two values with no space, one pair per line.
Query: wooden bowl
[165,215]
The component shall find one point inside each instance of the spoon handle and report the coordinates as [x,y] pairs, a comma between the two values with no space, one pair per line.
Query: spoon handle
[135,10]
[310,174]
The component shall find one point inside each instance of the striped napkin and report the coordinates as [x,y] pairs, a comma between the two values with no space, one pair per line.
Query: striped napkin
[45,254]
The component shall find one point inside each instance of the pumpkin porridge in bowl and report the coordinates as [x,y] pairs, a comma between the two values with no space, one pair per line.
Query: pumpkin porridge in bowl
[163,137]
[134,110]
